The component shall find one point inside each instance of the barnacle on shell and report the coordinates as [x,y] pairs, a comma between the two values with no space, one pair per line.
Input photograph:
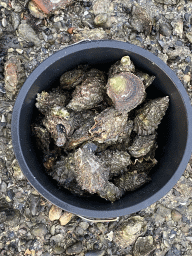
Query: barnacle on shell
[109,126]
[47,100]
[123,65]
[142,145]
[90,92]
[126,91]
[150,116]
[143,164]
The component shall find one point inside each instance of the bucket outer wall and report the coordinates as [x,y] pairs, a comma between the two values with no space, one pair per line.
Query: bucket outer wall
[174,133]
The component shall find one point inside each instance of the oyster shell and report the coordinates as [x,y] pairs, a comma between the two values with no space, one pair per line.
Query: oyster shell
[116,161]
[142,145]
[109,126]
[73,77]
[42,138]
[92,175]
[14,76]
[145,78]
[150,116]
[59,122]
[80,135]
[144,164]
[123,65]
[126,91]
[46,101]
[131,181]
[89,93]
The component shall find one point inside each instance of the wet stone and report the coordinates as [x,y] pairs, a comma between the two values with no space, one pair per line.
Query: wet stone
[55,213]
[95,253]
[58,250]
[165,29]
[34,203]
[143,246]
[28,34]
[39,230]
[74,249]
[176,216]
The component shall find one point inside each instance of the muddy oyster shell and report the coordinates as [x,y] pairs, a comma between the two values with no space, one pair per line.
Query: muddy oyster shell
[59,122]
[116,161]
[150,116]
[92,175]
[123,65]
[145,78]
[42,138]
[142,145]
[90,92]
[126,91]
[14,76]
[131,181]
[81,135]
[46,100]
[72,78]
[143,164]
[109,126]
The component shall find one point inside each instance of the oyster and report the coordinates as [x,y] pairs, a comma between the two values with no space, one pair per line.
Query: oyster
[80,135]
[92,175]
[42,138]
[123,65]
[116,161]
[109,126]
[90,92]
[14,76]
[73,77]
[144,164]
[59,122]
[145,78]
[150,116]
[131,181]
[142,145]
[46,101]
[126,91]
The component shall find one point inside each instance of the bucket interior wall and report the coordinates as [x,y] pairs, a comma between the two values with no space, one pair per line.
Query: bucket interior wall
[171,138]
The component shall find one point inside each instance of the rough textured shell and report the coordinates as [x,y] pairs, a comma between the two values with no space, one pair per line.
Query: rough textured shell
[131,181]
[126,91]
[123,65]
[142,145]
[150,116]
[89,93]
[93,176]
[72,78]
[45,100]
[109,126]
[59,122]
[115,160]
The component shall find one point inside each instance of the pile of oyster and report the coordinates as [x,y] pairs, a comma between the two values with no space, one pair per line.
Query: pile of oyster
[92,136]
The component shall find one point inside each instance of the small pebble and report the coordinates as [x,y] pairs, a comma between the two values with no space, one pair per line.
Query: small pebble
[176,216]
[39,230]
[58,250]
[55,213]
[74,249]
[65,218]
[95,253]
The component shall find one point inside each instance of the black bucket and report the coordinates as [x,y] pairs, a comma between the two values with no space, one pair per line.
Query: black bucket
[174,133]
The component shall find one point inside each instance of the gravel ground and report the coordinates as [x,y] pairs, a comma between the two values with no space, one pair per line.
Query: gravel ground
[30,225]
